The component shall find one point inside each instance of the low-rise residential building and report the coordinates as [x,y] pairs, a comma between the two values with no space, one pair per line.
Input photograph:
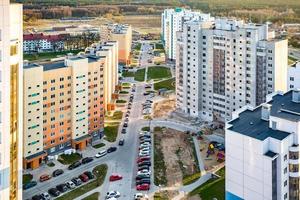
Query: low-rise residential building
[42,42]
[224,64]
[262,150]
[65,102]
[293,79]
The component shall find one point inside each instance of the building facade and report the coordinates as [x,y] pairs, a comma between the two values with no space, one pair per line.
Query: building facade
[11,115]
[40,42]
[225,64]
[262,150]
[172,20]
[293,79]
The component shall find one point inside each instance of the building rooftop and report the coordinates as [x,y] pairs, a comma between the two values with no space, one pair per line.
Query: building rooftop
[249,122]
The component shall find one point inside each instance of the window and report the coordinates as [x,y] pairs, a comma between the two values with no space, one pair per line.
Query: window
[291,78]
[285,157]
[274,124]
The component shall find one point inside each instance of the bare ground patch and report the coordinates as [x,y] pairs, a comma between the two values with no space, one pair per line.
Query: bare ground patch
[164,107]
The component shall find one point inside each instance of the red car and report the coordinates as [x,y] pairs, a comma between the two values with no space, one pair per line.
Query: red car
[141,159]
[83,178]
[115,177]
[143,187]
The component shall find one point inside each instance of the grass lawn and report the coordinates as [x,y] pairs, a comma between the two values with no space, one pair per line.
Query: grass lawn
[100,173]
[27,178]
[140,75]
[291,60]
[48,55]
[158,72]
[123,92]
[126,84]
[159,46]
[116,116]
[214,188]
[138,47]
[146,128]
[50,164]
[121,101]
[111,132]
[93,196]
[169,84]
[69,159]
[97,146]
[128,74]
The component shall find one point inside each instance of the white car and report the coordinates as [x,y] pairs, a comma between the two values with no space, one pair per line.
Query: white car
[145,133]
[139,196]
[112,194]
[70,184]
[145,145]
[145,148]
[144,154]
[45,196]
[101,154]
[144,171]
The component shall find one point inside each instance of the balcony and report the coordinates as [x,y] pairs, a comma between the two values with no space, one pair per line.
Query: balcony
[294,174]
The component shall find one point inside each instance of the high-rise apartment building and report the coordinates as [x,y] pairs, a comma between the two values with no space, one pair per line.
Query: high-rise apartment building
[172,20]
[121,33]
[224,64]
[65,102]
[11,123]
[293,79]
[262,150]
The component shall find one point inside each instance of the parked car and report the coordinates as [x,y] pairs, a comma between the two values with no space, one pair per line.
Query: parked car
[45,177]
[123,131]
[57,172]
[139,196]
[142,167]
[89,174]
[37,197]
[83,178]
[147,148]
[101,154]
[144,154]
[146,162]
[76,181]
[125,125]
[62,187]
[114,194]
[144,136]
[115,177]
[143,187]
[141,176]
[45,196]
[87,160]
[29,185]
[111,149]
[70,184]
[140,159]
[74,165]
[144,171]
[121,142]
[54,192]
[143,181]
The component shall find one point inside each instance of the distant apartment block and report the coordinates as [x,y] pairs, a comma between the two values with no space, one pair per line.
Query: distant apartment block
[41,42]
[172,20]
[294,76]
[123,35]
[262,150]
[224,64]
[11,109]
[65,102]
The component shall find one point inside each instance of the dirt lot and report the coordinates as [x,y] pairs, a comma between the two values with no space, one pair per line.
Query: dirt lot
[164,107]
[210,162]
[178,155]
[147,23]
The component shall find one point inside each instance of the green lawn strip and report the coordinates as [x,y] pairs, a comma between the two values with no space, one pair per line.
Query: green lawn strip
[97,146]
[126,84]
[123,92]
[213,188]
[27,178]
[121,101]
[138,47]
[116,116]
[169,84]
[159,164]
[146,128]
[69,159]
[140,75]
[155,72]
[100,173]
[163,195]
[128,74]
[191,178]
[291,60]
[50,164]
[159,46]
[111,132]
[48,55]
[94,196]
